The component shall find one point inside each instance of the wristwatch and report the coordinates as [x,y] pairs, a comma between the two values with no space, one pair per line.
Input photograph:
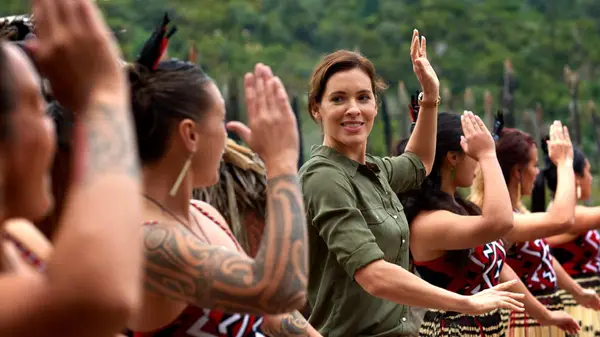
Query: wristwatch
[429,104]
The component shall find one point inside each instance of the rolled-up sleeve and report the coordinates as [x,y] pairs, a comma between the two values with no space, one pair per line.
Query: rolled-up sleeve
[331,206]
[404,172]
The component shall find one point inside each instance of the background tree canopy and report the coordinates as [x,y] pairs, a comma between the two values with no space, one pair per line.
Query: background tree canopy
[468,42]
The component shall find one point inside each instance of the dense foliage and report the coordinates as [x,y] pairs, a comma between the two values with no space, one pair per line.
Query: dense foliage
[468,40]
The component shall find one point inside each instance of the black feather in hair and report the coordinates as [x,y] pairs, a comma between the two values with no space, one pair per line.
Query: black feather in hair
[156,45]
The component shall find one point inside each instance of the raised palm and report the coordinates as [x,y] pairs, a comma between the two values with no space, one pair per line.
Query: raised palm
[421,66]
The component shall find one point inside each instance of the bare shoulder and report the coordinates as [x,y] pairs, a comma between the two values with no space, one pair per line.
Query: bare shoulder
[209,209]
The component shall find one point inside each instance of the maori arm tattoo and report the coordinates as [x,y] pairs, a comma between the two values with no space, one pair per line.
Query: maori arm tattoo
[182,267]
[109,144]
[287,325]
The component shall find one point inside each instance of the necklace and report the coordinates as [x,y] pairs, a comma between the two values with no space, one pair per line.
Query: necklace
[178,219]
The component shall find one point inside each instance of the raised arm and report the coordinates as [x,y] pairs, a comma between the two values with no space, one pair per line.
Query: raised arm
[443,230]
[184,268]
[93,280]
[422,140]
[561,215]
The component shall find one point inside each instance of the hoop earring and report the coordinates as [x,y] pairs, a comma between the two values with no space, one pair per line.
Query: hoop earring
[578,192]
[184,169]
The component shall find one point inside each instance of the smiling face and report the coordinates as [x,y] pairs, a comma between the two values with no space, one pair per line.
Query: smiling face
[347,109]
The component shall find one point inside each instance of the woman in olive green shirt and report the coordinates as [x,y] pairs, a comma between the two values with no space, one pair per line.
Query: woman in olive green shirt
[358,233]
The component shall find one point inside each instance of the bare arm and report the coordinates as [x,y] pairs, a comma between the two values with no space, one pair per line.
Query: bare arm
[422,141]
[288,325]
[443,230]
[186,269]
[565,281]
[586,218]
[558,219]
[533,307]
[393,283]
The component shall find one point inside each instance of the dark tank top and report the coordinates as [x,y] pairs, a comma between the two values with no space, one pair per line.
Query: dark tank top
[482,270]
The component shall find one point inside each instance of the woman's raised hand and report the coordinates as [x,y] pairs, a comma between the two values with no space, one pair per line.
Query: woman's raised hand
[477,141]
[560,148]
[422,68]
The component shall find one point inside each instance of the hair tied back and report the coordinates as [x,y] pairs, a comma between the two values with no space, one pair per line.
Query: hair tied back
[498,125]
[156,45]
[413,109]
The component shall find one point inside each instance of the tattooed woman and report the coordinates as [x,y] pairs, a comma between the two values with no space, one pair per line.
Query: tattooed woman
[359,284]
[529,254]
[196,271]
[455,244]
[94,294]
[577,249]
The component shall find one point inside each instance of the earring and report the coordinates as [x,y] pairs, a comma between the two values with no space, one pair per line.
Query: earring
[184,169]
[578,192]
[452,171]
[519,191]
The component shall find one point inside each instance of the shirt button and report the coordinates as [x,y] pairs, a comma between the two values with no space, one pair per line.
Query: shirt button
[395,217]
[403,319]
[403,241]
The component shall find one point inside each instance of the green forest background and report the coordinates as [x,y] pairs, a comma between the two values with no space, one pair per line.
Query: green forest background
[469,42]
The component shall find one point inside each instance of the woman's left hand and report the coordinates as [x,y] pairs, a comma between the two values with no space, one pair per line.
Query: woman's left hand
[422,68]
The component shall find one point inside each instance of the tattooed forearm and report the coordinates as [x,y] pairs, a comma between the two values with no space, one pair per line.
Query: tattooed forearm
[287,325]
[182,267]
[109,142]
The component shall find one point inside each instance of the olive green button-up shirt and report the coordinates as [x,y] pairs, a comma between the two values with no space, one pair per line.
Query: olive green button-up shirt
[355,218]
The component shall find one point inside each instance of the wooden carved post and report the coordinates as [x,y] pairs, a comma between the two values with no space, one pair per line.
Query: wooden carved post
[447,100]
[232,105]
[387,126]
[596,122]
[193,53]
[403,102]
[572,80]
[469,100]
[488,115]
[507,98]
[296,108]
[529,122]
[539,121]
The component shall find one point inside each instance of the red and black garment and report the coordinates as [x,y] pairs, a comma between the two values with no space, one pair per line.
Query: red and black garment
[482,271]
[532,261]
[580,256]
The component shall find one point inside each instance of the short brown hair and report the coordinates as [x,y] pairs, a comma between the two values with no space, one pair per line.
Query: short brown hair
[341,60]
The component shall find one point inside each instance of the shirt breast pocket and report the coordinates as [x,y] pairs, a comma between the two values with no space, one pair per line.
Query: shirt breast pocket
[387,233]
[375,216]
